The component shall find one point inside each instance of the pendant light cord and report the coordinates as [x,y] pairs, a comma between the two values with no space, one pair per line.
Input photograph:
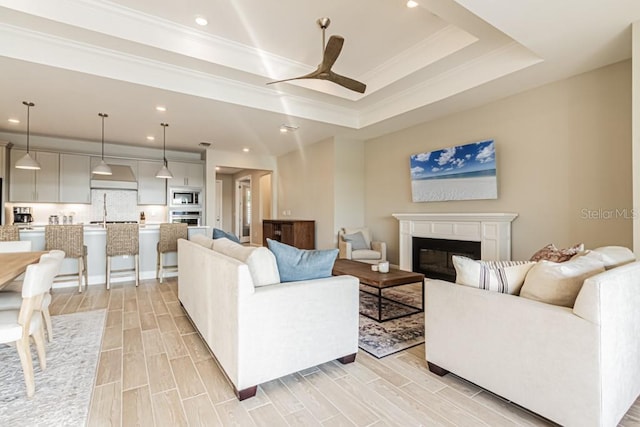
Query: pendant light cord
[103,115]
[164,142]
[29,105]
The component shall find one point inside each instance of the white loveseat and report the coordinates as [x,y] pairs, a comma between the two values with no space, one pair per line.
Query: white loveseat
[259,329]
[576,366]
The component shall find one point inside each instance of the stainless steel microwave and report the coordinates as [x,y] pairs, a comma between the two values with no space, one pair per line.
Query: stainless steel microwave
[185,197]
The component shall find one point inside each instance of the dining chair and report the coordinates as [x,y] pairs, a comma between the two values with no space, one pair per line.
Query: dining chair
[9,233]
[122,240]
[168,242]
[15,246]
[17,326]
[12,300]
[70,240]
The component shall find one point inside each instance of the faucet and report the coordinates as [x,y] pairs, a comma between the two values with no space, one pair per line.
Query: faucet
[104,211]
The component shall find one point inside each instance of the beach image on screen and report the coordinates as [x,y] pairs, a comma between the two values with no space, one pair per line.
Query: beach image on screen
[463,172]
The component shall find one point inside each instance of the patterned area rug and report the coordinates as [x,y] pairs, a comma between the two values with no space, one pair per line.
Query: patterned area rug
[384,338]
[63,390]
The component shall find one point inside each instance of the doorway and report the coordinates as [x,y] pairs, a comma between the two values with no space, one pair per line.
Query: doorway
[243,209]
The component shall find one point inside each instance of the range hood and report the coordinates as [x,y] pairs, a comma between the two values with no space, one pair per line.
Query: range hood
[121,179]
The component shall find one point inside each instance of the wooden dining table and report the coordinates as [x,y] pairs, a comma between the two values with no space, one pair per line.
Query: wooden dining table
[13,264]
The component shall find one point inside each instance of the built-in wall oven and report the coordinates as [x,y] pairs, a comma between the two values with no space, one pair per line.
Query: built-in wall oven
[185,197]
[190,217]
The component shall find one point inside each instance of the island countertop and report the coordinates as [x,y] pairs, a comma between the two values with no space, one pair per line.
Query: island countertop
[95,238]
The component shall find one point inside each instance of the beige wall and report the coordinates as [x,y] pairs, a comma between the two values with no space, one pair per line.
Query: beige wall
[350,185]
[561,149]
[635,55]
[306,188]
[227,201]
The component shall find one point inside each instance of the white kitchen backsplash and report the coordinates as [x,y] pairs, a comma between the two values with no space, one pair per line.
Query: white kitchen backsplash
[122,205]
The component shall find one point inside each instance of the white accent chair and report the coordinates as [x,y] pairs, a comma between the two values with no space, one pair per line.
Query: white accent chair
[363,250]
[12,300]
[17,326]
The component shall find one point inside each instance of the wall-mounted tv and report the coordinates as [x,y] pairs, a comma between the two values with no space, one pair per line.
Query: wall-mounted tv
[463,172]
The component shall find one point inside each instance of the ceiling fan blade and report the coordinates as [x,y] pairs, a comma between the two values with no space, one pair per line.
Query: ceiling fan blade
[331,52]
[351,84]
[311,75]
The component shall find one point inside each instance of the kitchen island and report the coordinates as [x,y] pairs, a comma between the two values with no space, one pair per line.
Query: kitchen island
[95,238]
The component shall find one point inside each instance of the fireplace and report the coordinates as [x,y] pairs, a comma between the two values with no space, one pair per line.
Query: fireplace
[432,257]
[492,231]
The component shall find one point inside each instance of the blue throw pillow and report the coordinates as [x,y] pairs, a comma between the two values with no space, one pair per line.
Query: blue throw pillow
[219,234]
[357,241]
[300,264]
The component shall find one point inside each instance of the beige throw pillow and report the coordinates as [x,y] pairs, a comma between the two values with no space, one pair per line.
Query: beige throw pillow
[498,276]
[559,283]
[611,256]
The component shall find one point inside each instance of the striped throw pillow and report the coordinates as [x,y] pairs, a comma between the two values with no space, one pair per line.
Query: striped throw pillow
[505,277]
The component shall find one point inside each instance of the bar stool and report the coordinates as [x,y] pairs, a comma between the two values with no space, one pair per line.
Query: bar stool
[9,233]
[70,240]
[169,235]
[122,240]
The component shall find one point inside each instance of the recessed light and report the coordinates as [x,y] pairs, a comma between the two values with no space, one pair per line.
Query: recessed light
[411,4]
[161,108]
[217,168]
[246,150]
[151,138]
[14,121]
[201,20]
[284,128]
[205,144]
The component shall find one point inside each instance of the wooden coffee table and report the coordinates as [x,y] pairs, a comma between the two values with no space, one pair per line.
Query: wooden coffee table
[380,281]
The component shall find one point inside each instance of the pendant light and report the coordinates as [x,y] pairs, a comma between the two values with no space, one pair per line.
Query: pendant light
[28,162]
[164,172]
[103,168]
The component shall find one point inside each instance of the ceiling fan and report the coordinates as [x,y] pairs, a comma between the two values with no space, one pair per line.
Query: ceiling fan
[330,54]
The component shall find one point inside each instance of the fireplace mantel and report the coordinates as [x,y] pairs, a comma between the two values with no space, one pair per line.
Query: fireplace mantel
[492,230]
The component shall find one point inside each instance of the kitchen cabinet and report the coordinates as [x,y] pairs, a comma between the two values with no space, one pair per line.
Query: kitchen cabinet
[75,178]
[35,186]
[186,174]
[151,190]
[297,233]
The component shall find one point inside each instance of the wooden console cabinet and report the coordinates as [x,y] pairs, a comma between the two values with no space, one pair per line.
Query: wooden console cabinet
[298,233]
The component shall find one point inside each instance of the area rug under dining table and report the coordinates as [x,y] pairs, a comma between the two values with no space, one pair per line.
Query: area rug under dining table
[63,390]
[381,339]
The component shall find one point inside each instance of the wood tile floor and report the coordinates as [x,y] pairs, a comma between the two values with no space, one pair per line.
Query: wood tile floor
[154,370]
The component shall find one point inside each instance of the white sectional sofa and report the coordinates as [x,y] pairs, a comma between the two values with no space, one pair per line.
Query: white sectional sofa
[576,366]
[257,328]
